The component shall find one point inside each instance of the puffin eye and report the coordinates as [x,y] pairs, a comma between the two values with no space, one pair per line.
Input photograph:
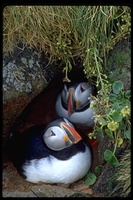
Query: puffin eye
[52,133]
[82,89]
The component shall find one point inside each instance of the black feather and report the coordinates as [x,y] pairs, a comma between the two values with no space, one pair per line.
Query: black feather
[29,145]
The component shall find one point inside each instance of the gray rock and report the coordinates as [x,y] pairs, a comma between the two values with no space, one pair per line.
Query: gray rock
[11,80]
[4,88]
[18,194]
[4,73]
[29,85]
[37,64]
[7,80]
[24,60]
[55,191]
[9,74]
[33,77]
[31,63]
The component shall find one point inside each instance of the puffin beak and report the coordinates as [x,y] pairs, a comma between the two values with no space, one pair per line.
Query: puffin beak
[71,133]
[71,103]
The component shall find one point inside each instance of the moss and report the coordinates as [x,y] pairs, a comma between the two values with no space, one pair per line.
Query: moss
[119,63]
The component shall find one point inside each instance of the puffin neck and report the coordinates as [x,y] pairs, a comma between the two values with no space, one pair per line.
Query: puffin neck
[65,106]
[68,152]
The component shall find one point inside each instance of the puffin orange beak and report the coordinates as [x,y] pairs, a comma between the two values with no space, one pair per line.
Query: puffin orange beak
[72,103]
[71,134]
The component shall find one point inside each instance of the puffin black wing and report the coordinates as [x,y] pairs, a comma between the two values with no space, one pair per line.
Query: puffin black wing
[30,145]
[27,146]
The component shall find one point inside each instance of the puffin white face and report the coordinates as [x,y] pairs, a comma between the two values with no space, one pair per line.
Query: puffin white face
[77,97]
[82,94]
[60,137]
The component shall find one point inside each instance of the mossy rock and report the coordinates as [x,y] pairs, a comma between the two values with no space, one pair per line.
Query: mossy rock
[119,63]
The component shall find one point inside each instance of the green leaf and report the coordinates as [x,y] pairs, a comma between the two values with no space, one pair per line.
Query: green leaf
[121,125]
[109,133]
[117,86]
[112,97]
[69,65]
[98,169]
[102,121]
[108,111]
[128,103]
[90,179]
[128,134]
[120,142]
[115,106]
[110,158]
[116,116]
[100,131]
[128,94]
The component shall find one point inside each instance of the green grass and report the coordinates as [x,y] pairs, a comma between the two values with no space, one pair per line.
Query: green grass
[66,32]
[123,174]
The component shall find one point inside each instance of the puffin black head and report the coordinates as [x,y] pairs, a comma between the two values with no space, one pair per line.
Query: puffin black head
[60,134]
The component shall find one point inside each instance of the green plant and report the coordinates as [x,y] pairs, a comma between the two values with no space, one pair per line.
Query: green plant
[90,178]
[106,28]
[123,174]
[66,32]
[112,115]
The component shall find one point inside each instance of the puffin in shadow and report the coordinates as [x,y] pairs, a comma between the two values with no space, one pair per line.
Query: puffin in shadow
[74,103]
[52,153]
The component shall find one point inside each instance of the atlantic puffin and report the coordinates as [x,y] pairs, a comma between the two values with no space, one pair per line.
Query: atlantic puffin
[52,153]
[74,103]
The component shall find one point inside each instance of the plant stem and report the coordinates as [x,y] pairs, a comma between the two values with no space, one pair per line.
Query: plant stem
[116,138]
[99,74]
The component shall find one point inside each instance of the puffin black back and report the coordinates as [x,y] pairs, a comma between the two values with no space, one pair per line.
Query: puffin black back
[22,145]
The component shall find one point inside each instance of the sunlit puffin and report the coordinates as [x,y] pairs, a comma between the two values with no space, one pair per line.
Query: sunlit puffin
[54,153]
[74,102]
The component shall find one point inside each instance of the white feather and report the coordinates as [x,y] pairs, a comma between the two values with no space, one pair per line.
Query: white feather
[84,118]
[53,170]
